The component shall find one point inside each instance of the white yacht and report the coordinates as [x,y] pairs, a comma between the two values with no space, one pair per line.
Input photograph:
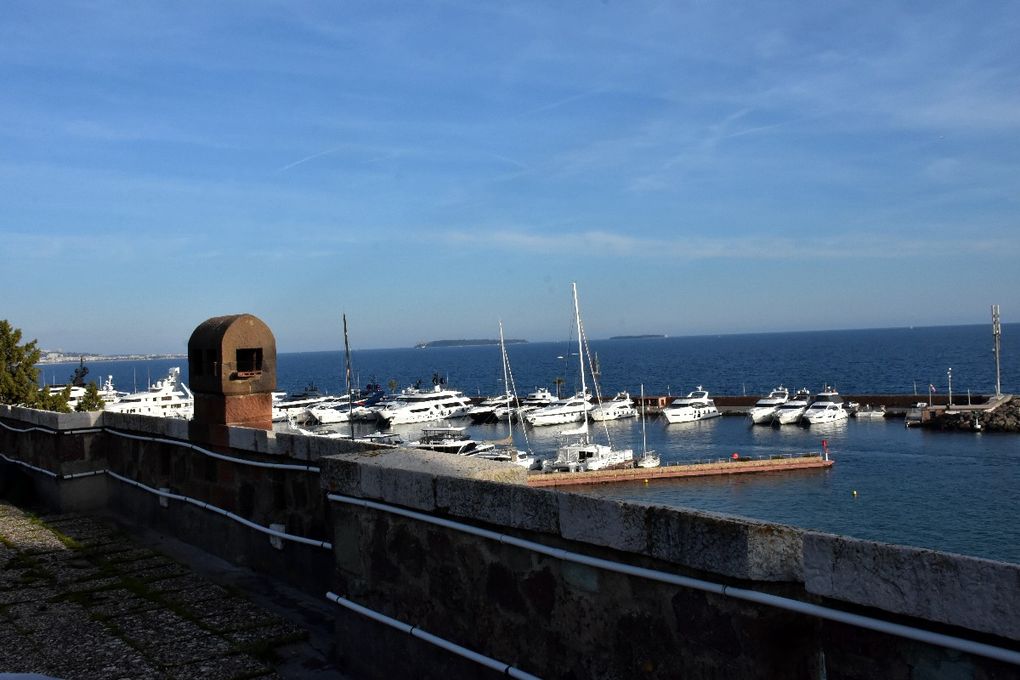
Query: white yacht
[869,412]
[293,408]
[331,411]
[342,408]
[559,412]
[695,406]
[540,398]
[620,406]
[826,408]
[763,410]
[107,393]
[168,397]
[485,410]
[793,409]
[450,440]
[419,406]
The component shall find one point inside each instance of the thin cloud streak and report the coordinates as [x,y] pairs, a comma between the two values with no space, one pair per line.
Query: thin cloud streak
[602,243]
[306,159]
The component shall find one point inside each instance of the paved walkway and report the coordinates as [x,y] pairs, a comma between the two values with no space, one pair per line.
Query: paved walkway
[80,599]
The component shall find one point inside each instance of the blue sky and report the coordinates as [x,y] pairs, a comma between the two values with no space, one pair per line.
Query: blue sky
[430,167]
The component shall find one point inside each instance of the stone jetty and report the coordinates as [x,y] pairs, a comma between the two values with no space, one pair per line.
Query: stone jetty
[1003,418]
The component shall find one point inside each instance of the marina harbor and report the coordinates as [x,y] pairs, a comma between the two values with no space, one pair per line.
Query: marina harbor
[973,472]
[361,491]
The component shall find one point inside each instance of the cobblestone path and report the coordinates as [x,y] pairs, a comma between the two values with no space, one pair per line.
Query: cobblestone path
[79,599]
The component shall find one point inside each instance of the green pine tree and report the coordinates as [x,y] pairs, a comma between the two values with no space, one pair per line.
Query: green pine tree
[53,401]
[91,401]
[19,377]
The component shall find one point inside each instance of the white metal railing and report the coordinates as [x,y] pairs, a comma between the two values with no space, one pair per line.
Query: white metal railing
[784,603]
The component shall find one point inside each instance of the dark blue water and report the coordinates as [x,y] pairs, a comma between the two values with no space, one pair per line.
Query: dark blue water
[956,492]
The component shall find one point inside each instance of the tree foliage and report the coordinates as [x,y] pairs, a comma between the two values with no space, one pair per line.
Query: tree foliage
[91,401]
[19,377]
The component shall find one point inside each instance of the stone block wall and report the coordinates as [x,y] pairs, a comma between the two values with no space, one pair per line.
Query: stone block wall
[553,617]
[157,453]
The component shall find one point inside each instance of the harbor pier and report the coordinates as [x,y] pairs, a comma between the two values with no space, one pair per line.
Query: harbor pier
[721,467]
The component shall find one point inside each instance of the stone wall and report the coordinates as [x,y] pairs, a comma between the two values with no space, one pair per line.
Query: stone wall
[156,453]
[554,617]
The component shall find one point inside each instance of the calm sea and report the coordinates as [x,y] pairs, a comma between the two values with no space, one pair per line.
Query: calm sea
[957,492]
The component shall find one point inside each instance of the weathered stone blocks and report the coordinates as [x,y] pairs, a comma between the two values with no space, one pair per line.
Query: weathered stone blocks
[975,593]
[736,547]
[600,521]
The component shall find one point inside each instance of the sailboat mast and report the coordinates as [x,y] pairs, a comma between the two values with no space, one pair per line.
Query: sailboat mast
[506,382]
[580,359]
[350,393]
[644,435]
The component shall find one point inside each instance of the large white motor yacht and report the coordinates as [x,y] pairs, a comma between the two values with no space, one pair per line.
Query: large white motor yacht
[485,410]
[419,406]
[695,406]
[620,406]
[540,398]
[450,440]
[168,397]
[826,408]
[792,410]
[107,393]
[293,407]
[332,411]
[559,412]
[766,407]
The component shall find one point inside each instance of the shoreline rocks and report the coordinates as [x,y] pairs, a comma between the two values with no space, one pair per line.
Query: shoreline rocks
[1005,418]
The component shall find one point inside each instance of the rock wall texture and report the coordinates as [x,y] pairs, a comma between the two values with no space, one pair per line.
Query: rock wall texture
[557,618]
[1005,418]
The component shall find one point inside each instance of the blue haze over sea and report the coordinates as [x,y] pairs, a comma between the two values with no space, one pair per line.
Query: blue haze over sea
[958,492]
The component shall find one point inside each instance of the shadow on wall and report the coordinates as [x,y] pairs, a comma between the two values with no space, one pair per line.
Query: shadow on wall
[17,487]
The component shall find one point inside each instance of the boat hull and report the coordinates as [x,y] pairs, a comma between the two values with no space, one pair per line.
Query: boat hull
[788,416]
[762,415]
[686,414]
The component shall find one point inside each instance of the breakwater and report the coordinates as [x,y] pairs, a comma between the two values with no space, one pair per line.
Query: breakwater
[467,552]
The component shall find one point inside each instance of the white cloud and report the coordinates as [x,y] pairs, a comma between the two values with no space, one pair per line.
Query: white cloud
[595,243]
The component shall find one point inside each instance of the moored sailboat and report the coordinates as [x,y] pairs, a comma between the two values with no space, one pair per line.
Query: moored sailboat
[648,459]
[505,450]
[582,454]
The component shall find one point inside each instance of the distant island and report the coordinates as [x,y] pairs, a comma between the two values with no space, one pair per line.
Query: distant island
[465,343]
[646,336]
[49,356]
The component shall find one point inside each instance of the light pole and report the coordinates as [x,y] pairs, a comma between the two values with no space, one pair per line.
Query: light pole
[950,404]
[996,335]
